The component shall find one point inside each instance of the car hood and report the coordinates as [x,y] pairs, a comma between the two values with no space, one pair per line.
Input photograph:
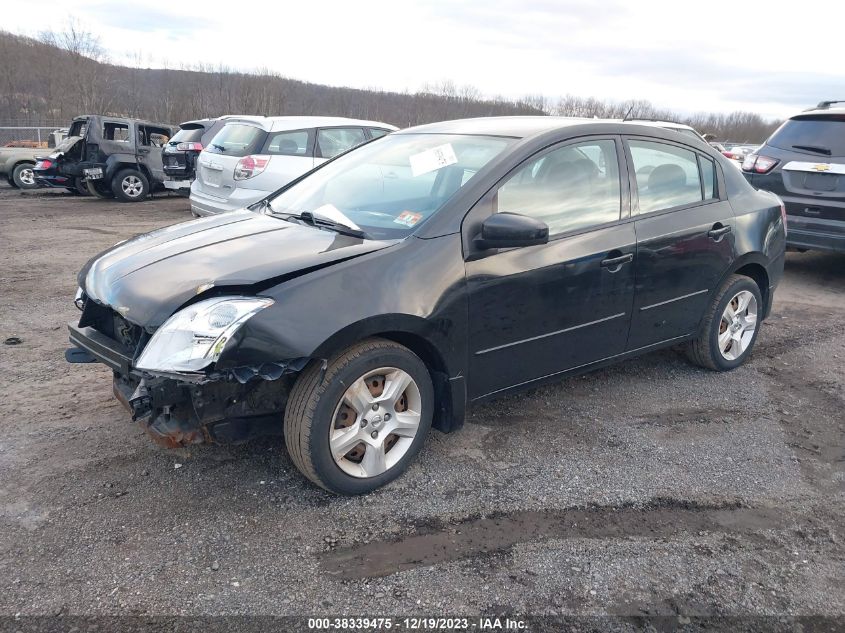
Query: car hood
[148,277]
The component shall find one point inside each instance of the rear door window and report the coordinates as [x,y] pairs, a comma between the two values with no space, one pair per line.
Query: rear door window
[336,140]
[667,176]
[153,136]
[376,132]
[708,177]
[237,139]
[816,135]
[288,143]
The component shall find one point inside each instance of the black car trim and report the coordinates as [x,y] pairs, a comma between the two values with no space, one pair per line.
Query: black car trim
[106,350]
[663,303]
[548,334]
[595,363]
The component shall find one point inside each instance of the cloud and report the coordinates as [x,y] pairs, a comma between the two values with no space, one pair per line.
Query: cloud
[688,57]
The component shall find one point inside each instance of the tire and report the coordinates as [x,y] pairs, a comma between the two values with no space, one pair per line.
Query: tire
[317,407]
[80,187]
[130,185]
[23,176]
[724,342]
[98,189]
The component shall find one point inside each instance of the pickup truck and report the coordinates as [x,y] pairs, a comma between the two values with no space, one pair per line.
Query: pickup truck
[16,163]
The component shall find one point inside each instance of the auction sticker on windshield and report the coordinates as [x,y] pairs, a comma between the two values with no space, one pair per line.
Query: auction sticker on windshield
[432,159]
[408,218]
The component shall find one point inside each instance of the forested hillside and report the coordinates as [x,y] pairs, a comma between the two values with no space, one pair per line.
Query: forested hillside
[48,80]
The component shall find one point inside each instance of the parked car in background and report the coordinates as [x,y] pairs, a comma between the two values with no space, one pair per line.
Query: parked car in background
[179,155]
[253,156]
[17,159]
[443,265]
[110,156]
[803,162]
[737,152]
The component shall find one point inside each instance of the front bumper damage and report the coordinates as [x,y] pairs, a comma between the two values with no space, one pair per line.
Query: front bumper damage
[226,407]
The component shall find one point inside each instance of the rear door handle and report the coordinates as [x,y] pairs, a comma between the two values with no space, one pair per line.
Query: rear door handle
[716,234]
[615,262]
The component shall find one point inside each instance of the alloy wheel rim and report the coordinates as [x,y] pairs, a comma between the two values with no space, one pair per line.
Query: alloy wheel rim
[132,186]
[27,177]
[375,422]
[738,324]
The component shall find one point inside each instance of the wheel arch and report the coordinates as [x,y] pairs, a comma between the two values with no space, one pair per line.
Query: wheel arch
[415,333]
[754,266]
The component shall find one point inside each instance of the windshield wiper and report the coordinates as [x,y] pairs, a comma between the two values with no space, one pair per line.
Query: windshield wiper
[220,147]
[319,220]
[813,148]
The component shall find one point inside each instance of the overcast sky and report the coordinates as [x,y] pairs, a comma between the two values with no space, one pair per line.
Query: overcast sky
[704,55]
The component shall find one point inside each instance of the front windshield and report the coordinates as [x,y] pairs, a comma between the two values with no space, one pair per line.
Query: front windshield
[391,185]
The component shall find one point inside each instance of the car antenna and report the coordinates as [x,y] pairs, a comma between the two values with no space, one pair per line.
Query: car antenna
[628,113]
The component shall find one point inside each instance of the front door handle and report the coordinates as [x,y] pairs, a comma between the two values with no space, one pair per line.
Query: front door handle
[717,232]
[616,262]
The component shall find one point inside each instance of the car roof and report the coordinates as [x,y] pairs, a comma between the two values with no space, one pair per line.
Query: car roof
[834,109]
[83,117]
[277,123]
[526,126]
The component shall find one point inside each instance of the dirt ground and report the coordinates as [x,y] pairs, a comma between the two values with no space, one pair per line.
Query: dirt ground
[652,487]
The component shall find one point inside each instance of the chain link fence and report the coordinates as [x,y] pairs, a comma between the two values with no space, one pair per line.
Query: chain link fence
[29,136]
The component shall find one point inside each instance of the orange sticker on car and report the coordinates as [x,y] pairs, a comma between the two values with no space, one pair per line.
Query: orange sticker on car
[408,218]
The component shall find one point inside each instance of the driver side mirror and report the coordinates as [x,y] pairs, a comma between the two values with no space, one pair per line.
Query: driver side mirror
[509,230]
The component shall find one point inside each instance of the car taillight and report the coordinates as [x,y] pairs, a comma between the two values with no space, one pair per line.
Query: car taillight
[759,164]
[44,164]
[727,153]
[250,166]
[189,147]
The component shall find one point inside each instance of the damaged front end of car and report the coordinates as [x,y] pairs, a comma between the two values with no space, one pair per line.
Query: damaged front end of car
[168,377]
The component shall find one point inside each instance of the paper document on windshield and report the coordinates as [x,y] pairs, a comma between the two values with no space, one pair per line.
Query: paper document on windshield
[331,212]
[432,159]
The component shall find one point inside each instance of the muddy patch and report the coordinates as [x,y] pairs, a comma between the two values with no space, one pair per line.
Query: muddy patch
[483,536]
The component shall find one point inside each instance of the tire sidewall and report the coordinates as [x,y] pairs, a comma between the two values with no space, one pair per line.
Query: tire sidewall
[330,473]
[117,185]
[713,336]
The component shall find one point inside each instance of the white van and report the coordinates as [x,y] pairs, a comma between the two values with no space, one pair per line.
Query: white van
[253,156]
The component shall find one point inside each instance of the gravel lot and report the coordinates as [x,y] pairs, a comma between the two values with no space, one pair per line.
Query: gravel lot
[652,487]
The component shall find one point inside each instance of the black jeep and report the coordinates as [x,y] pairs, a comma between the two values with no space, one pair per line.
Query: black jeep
[110,156]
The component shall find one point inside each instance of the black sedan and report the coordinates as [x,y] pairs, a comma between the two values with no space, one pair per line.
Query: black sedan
[378,295]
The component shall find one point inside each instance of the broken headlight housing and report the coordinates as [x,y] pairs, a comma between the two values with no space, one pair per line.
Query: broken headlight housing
[194,337]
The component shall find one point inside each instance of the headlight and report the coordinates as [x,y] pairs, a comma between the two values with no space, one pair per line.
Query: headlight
[194,338]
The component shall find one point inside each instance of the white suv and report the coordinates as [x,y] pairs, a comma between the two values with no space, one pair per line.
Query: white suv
[253,156]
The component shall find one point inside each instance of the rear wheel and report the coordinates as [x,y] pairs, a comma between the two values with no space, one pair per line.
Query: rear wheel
[730,326]
[359,423]
[130,185]
[23,176]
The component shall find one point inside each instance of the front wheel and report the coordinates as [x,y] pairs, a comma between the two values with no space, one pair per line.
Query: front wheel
[130,185]
[358,424]
[23,176]
[730,326]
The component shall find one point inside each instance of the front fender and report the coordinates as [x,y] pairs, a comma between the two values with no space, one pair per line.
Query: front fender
[416,288]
